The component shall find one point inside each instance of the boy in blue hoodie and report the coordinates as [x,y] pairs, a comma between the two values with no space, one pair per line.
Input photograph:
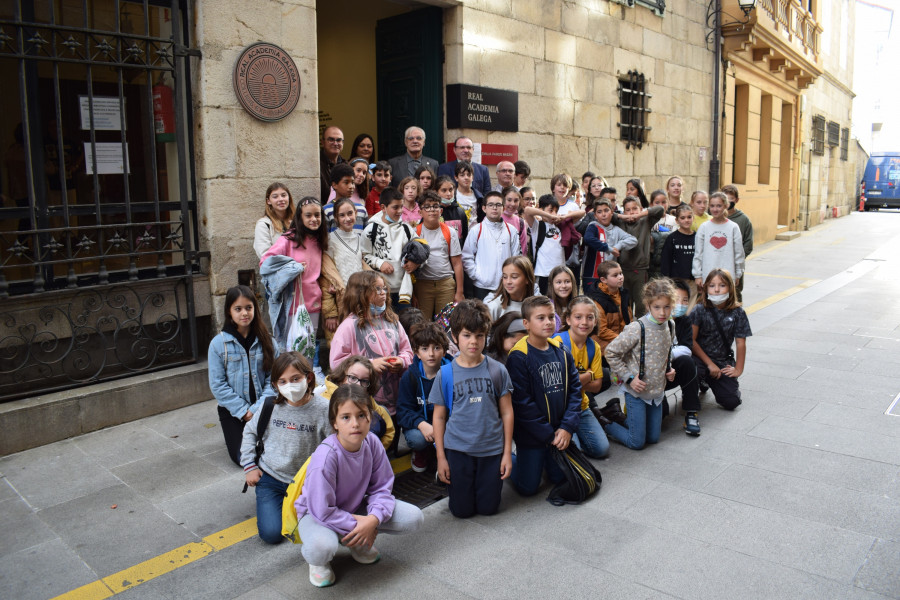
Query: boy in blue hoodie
[414,414]
[546,397]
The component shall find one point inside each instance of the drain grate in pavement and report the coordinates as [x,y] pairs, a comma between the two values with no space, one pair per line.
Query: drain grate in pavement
[894,408]
[418,488]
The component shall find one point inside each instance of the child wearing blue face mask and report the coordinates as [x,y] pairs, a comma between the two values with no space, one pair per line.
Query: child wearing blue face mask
[682,360]
[719,323]
[371,328]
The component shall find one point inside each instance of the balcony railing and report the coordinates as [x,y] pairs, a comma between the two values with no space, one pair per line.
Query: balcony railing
[794,22]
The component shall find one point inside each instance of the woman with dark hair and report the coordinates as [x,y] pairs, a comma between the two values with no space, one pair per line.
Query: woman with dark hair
[364,147]
[634,187]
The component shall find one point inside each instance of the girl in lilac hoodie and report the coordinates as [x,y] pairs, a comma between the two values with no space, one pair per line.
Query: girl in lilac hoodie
[346,497]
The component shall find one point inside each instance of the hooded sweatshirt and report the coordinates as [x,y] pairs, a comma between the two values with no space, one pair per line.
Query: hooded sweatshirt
[615,313]
[488,245]
[383,242]
[638,257]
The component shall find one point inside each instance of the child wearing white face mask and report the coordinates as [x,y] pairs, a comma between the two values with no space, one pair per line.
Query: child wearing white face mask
[298,423]
[717,324]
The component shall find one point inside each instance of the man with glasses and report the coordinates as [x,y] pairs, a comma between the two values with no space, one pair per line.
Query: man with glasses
[506,172]
[329,156]
[407,164]
[464,150]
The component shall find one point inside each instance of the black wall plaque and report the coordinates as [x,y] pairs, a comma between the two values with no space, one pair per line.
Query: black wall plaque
[473,107]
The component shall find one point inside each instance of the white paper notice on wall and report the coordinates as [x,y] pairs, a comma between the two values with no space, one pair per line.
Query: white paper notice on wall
[476,153]
[701,154]
[107,113]
[110,159]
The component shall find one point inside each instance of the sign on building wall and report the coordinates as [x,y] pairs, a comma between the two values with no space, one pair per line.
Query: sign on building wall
[488,154]
[266,82]
[473,107]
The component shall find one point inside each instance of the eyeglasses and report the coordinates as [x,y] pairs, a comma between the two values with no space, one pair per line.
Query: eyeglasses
[335,140]
[380,289]
[356,380]
[494,205]
[431,208]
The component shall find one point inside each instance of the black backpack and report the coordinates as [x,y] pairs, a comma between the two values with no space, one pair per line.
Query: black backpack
[265,415]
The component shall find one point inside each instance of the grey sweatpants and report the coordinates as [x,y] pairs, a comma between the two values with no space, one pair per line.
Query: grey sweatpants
[320,543]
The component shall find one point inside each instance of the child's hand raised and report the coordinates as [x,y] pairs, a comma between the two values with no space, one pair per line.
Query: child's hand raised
[670,374]
[561,439]
[364,533]
[638,385]
[443,470]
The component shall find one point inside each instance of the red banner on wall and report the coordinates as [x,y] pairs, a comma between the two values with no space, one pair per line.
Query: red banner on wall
[489,154]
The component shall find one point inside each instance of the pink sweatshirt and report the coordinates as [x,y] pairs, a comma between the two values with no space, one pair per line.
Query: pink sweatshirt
[337,481]
[519,223]
[312,256]
[378,340]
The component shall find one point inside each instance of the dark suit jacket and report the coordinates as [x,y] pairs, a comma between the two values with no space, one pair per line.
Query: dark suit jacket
[398,167]
[481,181]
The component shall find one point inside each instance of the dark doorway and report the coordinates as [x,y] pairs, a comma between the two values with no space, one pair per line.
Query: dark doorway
[408,58]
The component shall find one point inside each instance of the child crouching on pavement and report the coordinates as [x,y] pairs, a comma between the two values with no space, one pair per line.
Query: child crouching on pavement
[346,495]
[546,397]
[298,422]
[473,417]
[641,357]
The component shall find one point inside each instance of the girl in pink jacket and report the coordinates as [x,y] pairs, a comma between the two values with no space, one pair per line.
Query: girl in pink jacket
[371,328]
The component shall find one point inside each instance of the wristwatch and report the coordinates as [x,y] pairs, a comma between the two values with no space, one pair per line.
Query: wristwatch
[629,380]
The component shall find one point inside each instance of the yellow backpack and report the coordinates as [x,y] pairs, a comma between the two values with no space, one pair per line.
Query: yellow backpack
[289,519]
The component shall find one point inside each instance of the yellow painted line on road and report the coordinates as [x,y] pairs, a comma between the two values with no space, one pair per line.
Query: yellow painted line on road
[781,296]
[767,250]
[179,557]
[777,276]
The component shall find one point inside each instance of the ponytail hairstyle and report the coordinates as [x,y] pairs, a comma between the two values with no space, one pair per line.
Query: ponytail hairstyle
[257,325]
[524,266]
[579,301]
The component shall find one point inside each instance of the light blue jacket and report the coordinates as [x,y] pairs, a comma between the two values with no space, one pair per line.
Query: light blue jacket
[277,274]
[229,370]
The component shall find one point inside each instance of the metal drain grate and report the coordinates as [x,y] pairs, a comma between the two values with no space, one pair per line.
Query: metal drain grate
[418,488]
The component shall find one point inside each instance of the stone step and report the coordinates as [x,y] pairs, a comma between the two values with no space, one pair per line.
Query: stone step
[40,420]
[787,236]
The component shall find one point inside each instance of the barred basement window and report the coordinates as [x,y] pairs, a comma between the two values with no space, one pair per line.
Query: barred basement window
[657,6]
[845,143]
[834,133]
[818,135]
[633,110]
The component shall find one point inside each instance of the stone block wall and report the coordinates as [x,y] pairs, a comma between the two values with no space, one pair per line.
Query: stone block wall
[564,60]
[238,156]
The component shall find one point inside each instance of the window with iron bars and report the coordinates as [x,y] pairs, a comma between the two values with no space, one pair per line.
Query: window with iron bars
[845,143]
[633,109]
[818,135]
[834,133]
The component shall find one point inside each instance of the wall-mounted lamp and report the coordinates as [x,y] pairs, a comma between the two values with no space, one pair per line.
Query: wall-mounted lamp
[714,14]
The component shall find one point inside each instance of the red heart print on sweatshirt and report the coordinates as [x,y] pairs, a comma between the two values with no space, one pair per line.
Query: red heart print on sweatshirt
[718,241]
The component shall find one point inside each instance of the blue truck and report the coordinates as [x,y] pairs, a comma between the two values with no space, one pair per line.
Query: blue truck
[881,181]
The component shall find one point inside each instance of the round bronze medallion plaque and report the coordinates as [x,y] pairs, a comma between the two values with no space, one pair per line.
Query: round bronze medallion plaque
[266,82]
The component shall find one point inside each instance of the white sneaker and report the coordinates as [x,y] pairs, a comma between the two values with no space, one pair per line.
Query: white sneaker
[321,576]
[365,556]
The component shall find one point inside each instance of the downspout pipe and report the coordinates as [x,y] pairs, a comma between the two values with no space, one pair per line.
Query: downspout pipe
[717,62]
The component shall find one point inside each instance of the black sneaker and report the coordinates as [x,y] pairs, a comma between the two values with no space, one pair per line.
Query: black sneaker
[692,424]
[704,387]
[613,412]
[598,413]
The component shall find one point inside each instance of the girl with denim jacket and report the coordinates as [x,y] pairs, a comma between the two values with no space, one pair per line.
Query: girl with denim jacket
[240,361]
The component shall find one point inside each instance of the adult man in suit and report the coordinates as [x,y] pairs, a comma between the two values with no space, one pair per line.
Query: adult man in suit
[406,164]
[464,149]
[329,156]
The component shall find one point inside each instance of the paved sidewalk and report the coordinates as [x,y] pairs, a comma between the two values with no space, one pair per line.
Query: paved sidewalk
[794,495]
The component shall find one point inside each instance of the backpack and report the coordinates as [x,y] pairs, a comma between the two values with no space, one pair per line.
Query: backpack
[582,478]
[289,521]
[481,227]
[265,415]
[533,249]
[591,348]
[444,229]
[447,382]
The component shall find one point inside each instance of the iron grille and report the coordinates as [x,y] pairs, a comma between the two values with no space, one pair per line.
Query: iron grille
[845,143]
[818,135]
[633,109]
[100,187]
[834,133]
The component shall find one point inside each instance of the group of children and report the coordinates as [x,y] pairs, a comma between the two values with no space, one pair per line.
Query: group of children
[502,349]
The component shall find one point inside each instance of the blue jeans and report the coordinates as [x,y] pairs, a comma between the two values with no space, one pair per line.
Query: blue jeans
[642,425]
[415,440]
[528,467]
[270,495]
[590,437]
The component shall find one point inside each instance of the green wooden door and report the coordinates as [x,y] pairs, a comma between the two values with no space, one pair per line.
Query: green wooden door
[408,58]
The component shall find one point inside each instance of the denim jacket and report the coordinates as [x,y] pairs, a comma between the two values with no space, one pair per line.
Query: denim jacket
[278,274]
[228,371]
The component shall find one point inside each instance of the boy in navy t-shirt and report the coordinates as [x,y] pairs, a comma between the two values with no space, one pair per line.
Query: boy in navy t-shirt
[546,397]
[474,439]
